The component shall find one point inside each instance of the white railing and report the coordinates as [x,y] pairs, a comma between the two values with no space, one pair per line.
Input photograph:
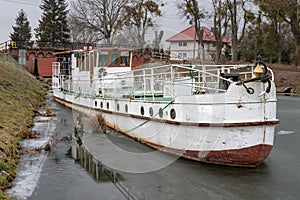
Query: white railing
[55,69]
[162,81]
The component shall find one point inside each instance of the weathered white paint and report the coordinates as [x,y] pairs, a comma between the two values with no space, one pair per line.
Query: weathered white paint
[215,108]
[218,120]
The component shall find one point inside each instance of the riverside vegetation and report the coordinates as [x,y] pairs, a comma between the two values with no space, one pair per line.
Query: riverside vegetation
[21,95]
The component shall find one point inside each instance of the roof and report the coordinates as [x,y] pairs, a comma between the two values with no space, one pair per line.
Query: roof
[188,34]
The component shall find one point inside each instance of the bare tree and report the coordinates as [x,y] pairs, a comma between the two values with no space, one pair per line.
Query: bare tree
[139,17]
[157,39]
[190,9]
[101,16]
[81,32]
[270,12]
[220,26]
[239,14]
[289,12]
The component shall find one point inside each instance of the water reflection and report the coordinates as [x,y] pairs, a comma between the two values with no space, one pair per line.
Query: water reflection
[101,174]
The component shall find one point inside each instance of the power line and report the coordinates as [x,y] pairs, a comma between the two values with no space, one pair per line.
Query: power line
[25,1]
[22,2]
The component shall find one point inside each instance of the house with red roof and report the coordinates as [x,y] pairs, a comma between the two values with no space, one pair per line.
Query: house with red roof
[184,45]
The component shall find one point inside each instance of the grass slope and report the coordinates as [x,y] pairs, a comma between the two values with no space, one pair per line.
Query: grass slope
[20,95]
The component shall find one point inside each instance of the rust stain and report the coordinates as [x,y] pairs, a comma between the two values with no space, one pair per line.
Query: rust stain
[244,157]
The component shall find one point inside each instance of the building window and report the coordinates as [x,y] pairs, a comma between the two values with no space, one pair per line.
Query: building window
[182,55]
[182,44]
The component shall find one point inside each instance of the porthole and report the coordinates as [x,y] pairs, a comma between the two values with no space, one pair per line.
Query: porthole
[142,111]
[96,103]
[151,111]
[107,106]
[118,107]
[173,113]
[161,113]
[101,104]
[126,108]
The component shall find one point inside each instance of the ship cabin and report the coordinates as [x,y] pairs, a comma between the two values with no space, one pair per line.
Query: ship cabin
[81,70]
[112,59]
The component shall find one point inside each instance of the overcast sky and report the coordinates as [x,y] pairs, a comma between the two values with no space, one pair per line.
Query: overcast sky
[9,10]
[170,23]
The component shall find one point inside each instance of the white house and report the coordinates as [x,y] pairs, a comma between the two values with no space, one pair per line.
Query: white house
[184,44]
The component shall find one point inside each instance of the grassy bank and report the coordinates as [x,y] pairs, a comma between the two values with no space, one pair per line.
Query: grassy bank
[287,76]
[20,95]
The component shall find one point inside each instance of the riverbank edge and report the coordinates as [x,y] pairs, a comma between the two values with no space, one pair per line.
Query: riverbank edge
[21,95]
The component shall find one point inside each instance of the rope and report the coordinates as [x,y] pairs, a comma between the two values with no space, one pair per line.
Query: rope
[145,122]
[78,95]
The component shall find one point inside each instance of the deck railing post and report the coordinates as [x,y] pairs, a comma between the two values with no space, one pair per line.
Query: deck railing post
[152,84]
[172,82]
[144,79]
[204,75]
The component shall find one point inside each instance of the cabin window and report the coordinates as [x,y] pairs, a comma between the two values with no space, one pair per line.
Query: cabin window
[91,60]
[103,58]
[118,107]
[78,58]
[98,61]
[82,66]
[114,58]
[87,66]
[124,58]
[95,58]
[142,111]
[161,113]
[151,111]
[173,113]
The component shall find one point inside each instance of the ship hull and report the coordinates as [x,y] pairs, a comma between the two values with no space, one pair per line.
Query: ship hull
[244,144]
[222,114]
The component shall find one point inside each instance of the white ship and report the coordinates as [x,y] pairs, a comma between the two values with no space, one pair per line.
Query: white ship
[222,114]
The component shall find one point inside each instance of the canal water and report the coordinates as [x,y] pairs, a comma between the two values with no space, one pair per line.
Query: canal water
[55,175]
